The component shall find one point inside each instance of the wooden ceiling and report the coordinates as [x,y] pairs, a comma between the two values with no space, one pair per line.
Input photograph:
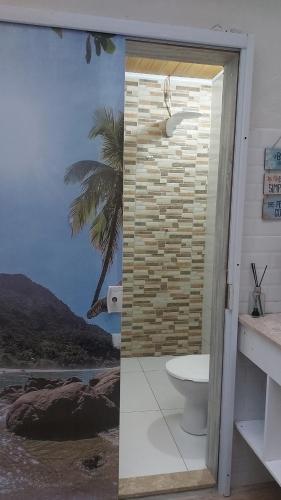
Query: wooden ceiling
[164,67]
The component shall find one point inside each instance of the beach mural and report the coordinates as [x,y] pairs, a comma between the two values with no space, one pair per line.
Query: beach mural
[61,162]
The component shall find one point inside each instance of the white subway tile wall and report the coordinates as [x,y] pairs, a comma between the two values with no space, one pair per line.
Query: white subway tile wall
[261,241]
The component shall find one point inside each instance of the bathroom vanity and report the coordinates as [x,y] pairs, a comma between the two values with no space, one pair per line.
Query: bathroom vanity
[258,388]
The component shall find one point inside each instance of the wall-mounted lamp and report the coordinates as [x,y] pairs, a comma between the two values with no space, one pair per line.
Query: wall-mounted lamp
[177,118]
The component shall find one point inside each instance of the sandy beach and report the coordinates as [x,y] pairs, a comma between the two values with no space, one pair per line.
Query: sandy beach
[54,469]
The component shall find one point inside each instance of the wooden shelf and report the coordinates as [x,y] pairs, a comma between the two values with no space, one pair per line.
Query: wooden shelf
[253,433]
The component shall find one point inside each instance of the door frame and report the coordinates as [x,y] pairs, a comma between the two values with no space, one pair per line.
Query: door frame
[205,38]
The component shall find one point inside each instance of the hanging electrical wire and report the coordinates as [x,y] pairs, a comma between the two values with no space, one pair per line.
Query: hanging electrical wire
[174,119]
[167,95]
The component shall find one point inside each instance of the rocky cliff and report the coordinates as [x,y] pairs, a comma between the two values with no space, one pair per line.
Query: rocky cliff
[39,330]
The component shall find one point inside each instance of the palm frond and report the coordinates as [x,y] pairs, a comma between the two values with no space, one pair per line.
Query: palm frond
[100,229]
[80,169]
[88,54]
[112,132]
[95,191]
[58,31]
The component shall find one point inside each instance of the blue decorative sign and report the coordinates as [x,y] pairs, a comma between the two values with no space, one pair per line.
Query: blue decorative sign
[272,159]
[271,209]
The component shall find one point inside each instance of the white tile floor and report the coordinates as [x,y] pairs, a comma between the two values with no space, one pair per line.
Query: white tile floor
[151,439]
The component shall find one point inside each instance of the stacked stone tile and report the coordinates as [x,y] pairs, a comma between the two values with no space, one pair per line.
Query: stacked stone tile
[165,201]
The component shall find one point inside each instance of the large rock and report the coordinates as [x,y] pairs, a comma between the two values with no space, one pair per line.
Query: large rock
[13,392]
[39,330]
[37,383]
[109,384]
[71,411]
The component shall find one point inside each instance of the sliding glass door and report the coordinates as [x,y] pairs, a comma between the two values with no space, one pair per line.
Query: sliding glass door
[61,147]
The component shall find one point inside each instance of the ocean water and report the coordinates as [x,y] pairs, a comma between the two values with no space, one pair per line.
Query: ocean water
[15,377]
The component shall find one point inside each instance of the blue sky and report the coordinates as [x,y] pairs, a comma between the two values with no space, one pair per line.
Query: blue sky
[48,95]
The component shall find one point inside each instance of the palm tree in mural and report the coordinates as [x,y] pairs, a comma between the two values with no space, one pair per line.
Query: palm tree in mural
[101,41]
[100,203]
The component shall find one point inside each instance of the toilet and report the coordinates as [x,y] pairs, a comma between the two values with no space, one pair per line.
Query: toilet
[190,376]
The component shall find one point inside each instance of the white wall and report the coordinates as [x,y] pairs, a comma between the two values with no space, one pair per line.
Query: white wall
[262,18]
[262,239]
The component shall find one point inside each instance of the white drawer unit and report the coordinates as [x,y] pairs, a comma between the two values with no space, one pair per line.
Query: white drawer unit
[258,389]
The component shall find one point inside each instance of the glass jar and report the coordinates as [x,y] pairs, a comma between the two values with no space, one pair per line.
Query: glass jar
[257,302]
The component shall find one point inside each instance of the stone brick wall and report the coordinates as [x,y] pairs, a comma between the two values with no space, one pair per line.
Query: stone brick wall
[165,196]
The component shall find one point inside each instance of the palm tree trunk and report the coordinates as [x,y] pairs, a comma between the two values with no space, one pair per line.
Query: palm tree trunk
[106,261]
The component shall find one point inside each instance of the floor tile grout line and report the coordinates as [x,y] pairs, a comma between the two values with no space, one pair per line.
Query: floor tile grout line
[145,372]
[159,413]
[149,389]
[130,371]
[147,381]
[175,441]
[152,369]
[163,416]
[158,404]
[180,462]
[177,445]
[160,410]
[140,365]
[177,456]
[139,362]
[140,411]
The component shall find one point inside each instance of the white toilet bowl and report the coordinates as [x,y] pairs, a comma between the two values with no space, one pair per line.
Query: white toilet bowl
[190,376]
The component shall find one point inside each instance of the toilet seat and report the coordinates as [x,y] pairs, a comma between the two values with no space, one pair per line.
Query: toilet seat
[194,367]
